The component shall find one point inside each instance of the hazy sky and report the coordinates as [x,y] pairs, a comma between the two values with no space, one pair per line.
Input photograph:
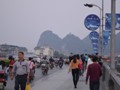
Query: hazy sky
[23,21]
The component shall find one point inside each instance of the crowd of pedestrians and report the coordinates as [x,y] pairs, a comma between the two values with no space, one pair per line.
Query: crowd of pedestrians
[79,65]
[90,65]
[22,70]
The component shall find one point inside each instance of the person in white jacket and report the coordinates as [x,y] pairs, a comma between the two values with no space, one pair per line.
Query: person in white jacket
[89,60]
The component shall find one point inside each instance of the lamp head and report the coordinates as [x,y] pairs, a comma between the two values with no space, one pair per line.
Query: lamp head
[88,5]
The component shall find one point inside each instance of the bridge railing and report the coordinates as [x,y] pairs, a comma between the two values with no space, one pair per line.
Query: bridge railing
[110,79]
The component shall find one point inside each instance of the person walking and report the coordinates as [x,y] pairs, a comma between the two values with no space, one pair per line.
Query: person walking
[89,60]
[80,66]
[86,61]
[31,66]
[75,70]
[12,61]
[70,57]
[21,72]
[6,70]
[94,73]
[83,63]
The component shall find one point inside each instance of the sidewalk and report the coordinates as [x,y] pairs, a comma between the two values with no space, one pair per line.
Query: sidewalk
[60,80]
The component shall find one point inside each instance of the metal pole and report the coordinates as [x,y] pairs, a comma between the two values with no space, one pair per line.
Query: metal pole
[112,46]
[100,48]
[100,35]
[102,27]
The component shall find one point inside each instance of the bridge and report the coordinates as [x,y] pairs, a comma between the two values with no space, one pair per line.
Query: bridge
[61,80]
[110,78]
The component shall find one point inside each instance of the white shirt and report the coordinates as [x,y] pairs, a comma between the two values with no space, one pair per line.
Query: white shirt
[89,62]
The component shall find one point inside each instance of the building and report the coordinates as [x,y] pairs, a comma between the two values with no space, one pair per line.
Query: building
[44,51]
[6,50]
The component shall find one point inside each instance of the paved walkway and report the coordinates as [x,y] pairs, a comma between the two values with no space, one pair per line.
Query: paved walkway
[60,80]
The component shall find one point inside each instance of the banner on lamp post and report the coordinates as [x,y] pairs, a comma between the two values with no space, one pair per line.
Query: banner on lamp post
[108,22]
[106,36]
[93,35]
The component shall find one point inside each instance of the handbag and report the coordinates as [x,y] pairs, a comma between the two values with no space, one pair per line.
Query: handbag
[28,87]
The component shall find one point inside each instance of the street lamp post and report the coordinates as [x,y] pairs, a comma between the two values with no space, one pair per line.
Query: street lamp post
[112,46]
[101,27]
